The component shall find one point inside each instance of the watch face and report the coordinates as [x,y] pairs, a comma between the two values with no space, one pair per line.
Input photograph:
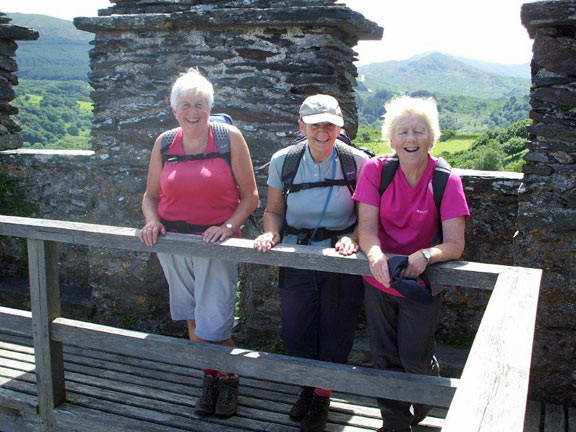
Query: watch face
[229,226]
[426,254]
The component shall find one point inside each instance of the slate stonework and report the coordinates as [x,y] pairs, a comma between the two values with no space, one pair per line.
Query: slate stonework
[9,128]
[547,201]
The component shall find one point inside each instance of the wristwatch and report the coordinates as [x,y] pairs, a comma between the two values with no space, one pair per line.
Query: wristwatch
[229,226]
[426,254]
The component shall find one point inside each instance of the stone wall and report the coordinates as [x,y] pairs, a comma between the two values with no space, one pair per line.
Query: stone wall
[10,129]
[547,202]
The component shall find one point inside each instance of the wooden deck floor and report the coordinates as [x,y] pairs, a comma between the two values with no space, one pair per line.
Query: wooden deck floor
[119,393]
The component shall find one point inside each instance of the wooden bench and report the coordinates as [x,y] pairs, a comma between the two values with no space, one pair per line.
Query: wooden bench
[490,396]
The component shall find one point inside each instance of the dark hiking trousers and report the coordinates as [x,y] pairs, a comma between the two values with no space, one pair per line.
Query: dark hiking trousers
[319,313]
[401,333]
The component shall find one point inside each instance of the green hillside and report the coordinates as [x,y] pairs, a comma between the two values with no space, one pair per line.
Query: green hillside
[61,52]
[439,73]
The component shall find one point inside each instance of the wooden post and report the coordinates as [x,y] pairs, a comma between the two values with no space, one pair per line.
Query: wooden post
[491,396]
[45,305]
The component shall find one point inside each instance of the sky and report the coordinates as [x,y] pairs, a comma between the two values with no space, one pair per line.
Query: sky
[487,30]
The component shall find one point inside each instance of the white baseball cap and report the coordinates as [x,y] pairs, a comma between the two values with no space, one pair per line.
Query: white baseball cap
[321,108]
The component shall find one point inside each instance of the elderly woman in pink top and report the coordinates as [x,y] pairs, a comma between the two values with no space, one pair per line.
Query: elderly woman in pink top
[200,181]
[404,219]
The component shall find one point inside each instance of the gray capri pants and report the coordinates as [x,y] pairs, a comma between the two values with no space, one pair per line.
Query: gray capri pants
[202,289]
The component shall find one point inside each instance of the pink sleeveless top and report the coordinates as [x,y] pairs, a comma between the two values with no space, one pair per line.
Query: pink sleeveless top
[199,192]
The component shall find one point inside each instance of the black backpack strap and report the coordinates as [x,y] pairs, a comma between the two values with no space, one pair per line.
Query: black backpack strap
[324,183]
[166,140]
[388,170]
[439,180]
[290,166]
[440,177]
[348,164]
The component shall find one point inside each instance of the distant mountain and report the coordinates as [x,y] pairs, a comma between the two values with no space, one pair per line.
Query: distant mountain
[509,70]
[440,73]
[61,52]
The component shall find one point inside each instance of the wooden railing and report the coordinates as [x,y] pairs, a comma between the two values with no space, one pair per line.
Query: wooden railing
[490,396]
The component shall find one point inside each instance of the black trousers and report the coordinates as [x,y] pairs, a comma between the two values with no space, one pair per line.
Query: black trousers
[319,313]
[401,333]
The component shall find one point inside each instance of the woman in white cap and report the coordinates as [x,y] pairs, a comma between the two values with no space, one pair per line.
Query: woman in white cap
[310,187]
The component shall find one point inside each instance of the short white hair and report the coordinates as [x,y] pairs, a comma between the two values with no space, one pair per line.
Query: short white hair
[191,82]
[401,105]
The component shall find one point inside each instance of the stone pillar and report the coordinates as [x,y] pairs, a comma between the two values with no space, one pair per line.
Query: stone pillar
[10,129]
[263,58]
[547,203]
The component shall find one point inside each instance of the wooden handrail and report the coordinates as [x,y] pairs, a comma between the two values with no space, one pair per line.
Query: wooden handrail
[460,273]
[490,397]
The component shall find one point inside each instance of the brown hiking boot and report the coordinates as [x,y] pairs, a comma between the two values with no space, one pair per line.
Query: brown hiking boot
[207,401]
[227,402]
[315,420]
[300,407]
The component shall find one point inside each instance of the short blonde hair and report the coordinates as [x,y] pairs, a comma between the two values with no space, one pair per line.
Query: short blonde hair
[191,82]
[401,105]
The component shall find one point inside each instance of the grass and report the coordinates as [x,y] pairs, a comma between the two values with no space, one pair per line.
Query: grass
[459,143]
[370,138]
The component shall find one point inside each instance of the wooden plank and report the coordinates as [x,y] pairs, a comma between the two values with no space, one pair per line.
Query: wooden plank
[496,374]
[263,397]
[16,400]
[15,321]
[554,419]
[260,404]
[180,416]
[73,418]
[45,305]
[350,379]
[461,273]
[12,420]
[533,417]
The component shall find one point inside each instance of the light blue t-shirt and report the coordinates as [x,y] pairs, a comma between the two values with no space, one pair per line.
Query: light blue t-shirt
[305,207]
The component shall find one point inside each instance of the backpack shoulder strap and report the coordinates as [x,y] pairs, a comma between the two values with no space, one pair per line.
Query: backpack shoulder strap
[222,139]
[439,180]
[348,163]
[166,140]
[291,163]
[388,170]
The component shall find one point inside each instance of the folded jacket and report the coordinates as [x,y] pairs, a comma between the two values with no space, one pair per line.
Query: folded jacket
[419,291]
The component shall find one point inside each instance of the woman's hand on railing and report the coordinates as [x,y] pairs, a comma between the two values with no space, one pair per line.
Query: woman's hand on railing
[149,233]
[266,241]
[347,246]
[379,265]
[416,265]
[217,233]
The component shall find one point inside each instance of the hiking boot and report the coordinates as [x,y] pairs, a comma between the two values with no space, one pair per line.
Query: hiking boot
[315,419]
[227,402]
[207,401]
[300,407]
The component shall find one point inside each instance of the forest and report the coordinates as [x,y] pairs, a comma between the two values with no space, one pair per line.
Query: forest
[54,114]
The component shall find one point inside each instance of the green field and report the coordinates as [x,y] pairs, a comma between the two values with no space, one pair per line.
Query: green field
[370,138]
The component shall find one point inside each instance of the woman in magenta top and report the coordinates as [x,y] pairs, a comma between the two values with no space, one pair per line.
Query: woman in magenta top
[404,220]
[200,188]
